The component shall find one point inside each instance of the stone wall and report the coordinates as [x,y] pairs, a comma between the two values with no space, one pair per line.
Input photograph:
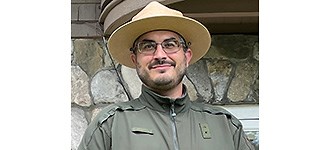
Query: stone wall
[85,18]
[227,75]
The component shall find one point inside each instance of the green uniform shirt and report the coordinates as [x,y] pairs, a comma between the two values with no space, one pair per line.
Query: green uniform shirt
[154,122]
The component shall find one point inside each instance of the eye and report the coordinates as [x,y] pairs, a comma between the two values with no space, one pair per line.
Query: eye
[147,46]
[170,44]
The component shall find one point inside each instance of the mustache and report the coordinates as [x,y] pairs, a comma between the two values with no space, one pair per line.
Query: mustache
[161,62]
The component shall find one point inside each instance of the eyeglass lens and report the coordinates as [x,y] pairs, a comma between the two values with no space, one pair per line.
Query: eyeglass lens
[149,47]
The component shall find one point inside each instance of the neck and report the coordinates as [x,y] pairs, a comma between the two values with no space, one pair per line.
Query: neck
[172,93]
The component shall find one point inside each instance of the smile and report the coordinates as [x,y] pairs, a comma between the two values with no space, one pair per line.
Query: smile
[162,66]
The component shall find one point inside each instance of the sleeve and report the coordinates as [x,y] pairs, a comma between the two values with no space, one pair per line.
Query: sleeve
[240,139]
[98,134]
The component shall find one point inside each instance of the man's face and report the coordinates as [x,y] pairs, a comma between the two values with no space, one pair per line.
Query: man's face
[160,70]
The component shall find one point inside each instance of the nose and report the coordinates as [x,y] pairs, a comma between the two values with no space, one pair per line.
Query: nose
[159,52]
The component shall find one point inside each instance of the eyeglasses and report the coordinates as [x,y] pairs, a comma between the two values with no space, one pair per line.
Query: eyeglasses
[149,47]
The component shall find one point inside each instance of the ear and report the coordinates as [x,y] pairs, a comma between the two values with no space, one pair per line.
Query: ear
[188,55]
[133,58]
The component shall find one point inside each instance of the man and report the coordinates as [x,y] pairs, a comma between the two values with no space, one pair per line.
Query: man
[161,43]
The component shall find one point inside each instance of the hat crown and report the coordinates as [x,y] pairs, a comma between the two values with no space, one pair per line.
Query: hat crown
[154,9]
[156,16]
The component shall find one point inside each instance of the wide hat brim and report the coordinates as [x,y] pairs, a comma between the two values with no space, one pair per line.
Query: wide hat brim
[121,40]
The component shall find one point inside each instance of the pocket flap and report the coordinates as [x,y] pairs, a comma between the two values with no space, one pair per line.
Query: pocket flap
[138,130]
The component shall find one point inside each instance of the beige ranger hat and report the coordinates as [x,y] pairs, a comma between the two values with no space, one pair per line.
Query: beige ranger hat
[156,16]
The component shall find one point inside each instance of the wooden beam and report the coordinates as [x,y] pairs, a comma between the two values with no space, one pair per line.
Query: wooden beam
[223,14]
[226,17]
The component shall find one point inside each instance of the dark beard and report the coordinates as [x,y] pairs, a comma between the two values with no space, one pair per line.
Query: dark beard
[162,84]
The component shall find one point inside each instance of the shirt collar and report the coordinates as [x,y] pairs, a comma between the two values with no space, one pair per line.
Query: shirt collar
[163,103]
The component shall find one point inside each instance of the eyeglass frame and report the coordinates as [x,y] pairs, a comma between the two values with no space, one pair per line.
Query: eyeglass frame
[181,42]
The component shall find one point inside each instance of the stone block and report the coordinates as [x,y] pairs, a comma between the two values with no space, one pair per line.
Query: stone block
[219,72]
[256,51]
[78,126]
[85,1]
[132,80]
[245,75]
[80,87]
[254,94]
[88,54]
[106,88]
[191,89]
[74,12]
[95,112]
[87,12]
[86,30]
[98,10]
[232,46]
[215,53]
[72,51]
[198,75]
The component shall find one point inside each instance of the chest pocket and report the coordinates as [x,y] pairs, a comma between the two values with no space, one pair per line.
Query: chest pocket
[141,131]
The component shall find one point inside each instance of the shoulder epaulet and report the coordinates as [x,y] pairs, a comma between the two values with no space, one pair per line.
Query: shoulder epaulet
[197,106]
[215,110]
[110,110]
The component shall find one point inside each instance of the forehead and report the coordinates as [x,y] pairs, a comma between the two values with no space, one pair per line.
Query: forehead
[158,35]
